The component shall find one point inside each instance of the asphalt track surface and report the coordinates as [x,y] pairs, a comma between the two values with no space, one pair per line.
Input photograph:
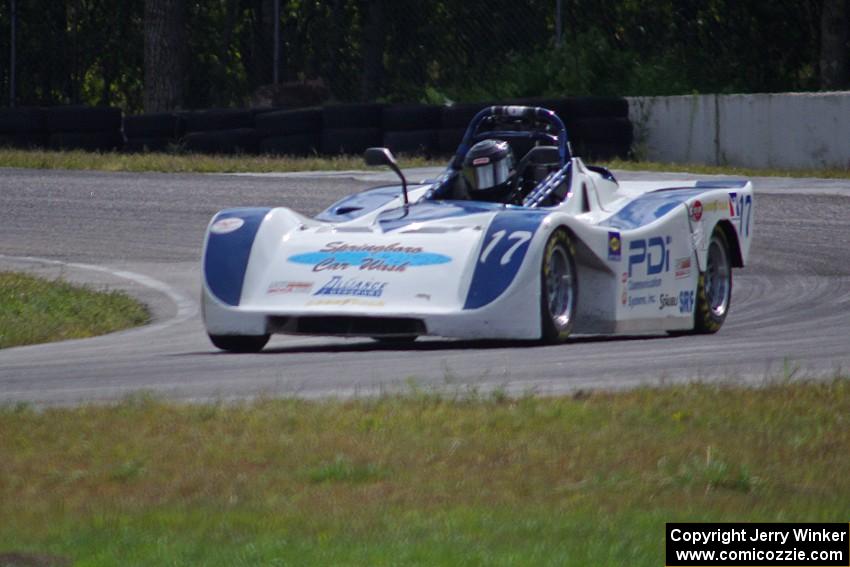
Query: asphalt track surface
[790,308]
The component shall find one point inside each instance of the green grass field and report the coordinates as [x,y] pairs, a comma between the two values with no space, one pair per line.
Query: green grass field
[196,163]
[34,310]
[421,478]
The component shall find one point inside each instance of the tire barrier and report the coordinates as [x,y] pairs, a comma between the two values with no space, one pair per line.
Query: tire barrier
[350,116]
[218,119]
[406,117]
[350,140]
[84,128]
[422,142]
[598,127]
[158,125]
[23,128]
[229,142]
[284,122]
[304,144]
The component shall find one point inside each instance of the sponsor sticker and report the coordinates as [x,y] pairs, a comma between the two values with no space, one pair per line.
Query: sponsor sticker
[696,211]
[481,161]
[641,300]
[353,286]
[341,256]
[682,267]
[644,284]
[615,246]
[342,302]
[289,287]
[227,225]
[665,300]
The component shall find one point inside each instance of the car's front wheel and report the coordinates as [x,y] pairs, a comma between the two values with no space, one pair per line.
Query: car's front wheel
[714,289]
[240,343]
[558,288]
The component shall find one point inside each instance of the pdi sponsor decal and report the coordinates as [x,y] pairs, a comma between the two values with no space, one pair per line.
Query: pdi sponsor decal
[665,300]
[339,256]
[289,287]
[353,286]
[227,225]
[615,246]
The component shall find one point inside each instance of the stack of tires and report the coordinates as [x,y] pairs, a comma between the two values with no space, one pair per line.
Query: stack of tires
[598,127]
[221,131]
[84,128]
[23,128]
[351,128]
[290,132]
[412,129]
[453,123]
[152,132]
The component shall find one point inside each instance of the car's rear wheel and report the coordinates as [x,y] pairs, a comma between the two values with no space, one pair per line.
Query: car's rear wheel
[240,343]
[714,290]
[558,288]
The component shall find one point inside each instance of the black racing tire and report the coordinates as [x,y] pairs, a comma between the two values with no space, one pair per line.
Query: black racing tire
[352,116]
[409,117]
[237,141]
[218,119]
[351,141]
[615,131]
[714,289]
[596,106]
[460,115]
[284,122]
[83,119]
[240,343]
[291,144]
[419,142]
[88,141]
[448,140]
[558,288]
[146,145]
[27,120]
[156,125]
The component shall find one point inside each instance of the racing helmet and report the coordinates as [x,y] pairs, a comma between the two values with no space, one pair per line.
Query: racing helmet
[488,169]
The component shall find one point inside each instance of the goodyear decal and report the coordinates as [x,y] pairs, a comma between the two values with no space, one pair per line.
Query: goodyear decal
[229,242]
[503,249]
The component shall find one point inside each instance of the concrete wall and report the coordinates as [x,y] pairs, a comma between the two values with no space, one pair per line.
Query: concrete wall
[788,130]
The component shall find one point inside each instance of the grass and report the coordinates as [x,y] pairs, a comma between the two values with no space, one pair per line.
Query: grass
[177,162]
[183,163]
[34,310]
[420,478]
[824,173]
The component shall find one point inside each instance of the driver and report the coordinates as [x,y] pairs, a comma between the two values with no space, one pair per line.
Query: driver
[488,172]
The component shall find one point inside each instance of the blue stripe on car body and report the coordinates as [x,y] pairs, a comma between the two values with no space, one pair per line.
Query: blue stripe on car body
[650,207]
[423,211]
[355,206]
[502,252]
[227,255]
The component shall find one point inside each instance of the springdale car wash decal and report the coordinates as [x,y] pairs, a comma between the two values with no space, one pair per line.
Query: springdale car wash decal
[340,256]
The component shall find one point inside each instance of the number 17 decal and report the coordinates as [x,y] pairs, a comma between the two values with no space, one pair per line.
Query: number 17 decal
[519,237]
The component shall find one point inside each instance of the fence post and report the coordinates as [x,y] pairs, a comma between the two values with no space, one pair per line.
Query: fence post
[276,41]
[558,29]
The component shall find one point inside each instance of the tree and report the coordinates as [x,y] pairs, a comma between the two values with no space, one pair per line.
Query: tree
[833,45]
[165,54]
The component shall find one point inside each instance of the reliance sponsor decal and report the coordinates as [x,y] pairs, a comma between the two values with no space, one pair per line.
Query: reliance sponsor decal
[380,257]
[355,287]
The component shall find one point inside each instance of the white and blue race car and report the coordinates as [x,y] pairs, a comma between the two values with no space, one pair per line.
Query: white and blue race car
[566,249]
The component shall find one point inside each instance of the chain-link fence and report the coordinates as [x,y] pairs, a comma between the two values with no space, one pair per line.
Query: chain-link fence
[92,51]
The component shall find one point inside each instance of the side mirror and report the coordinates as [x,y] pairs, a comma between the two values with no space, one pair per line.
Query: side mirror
[379,156]
[383,156]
